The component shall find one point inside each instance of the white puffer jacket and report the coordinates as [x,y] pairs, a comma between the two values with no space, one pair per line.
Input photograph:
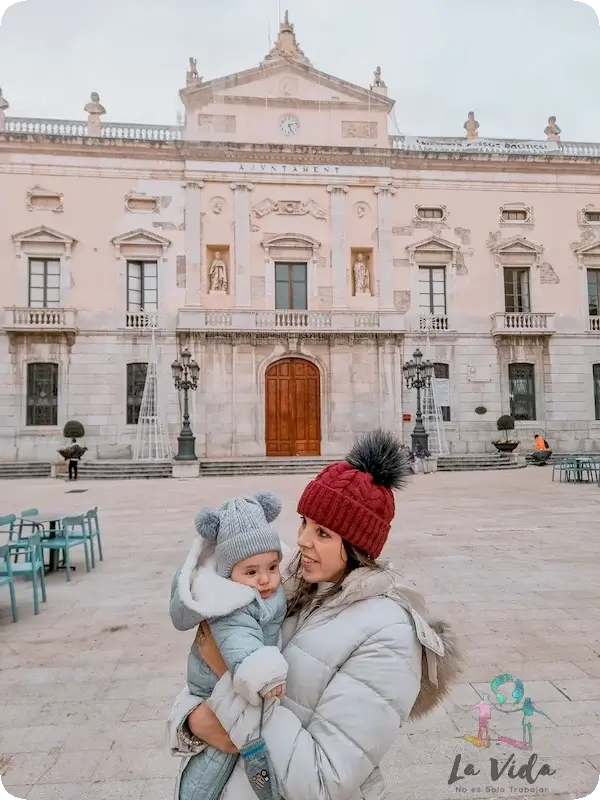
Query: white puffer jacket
[359,666]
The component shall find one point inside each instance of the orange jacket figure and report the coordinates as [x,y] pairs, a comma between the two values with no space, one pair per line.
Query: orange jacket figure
[540,444]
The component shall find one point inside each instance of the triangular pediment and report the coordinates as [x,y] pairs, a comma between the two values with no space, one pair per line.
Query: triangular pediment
[592,249]
[519,244]
[287,80]
[43,235]
[434,244]
[290,240]
[140,238]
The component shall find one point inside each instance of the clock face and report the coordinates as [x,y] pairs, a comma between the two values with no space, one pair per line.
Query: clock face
[290,125]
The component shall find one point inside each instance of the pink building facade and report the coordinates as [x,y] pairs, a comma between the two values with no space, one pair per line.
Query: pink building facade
[302,254]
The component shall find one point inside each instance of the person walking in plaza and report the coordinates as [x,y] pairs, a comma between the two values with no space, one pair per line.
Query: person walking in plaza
[362,656]
[73,454]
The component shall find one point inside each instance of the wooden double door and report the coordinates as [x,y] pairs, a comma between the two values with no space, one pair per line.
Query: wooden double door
[293,408]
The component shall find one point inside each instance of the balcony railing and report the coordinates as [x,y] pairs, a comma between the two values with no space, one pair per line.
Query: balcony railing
[141,319]
[595,324]
[532,323]
[40,319]
[434,322]
[300,321]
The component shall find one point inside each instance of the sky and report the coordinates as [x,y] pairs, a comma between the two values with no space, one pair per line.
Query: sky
[514,62]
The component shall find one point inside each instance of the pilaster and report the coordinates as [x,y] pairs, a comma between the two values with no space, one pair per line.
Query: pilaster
[241,216]
[385,252]
[339,256]
[194,266]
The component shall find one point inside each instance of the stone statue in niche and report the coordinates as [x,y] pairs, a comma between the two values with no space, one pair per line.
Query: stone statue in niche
[362,281]
[217,274]
[471,126]
[552,130]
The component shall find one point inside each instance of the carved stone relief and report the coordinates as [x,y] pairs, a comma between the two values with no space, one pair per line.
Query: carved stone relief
[464,234]
[361,209]
[401,262]
[216,123]
[217,274]
[359,130]
[547,273]
[494,239]
[522,215]
[361,275]
[582,216]
[321,262]
[218,205]
[142,203]
[257,287]
[461,267]
[402,301]
[587,237]
[404,230]
[39,199]
[294,208]
[165,226]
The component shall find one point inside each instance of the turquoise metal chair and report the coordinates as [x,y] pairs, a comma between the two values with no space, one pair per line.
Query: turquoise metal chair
[66,538]
[30,568]
[7,579]
[8,521]
[25,525]
[94,533]
[566,466]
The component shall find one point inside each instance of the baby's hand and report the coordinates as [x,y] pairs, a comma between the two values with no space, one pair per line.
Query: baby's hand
[278,691]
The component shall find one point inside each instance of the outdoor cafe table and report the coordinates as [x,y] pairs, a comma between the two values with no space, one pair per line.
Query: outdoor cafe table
[50,518]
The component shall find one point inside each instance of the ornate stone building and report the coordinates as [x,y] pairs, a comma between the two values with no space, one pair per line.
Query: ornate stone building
[300,251]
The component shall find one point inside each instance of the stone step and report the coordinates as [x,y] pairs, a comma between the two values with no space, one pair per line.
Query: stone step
[476,461]
[24,469]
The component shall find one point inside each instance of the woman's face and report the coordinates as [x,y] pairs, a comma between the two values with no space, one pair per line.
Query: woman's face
[323,554]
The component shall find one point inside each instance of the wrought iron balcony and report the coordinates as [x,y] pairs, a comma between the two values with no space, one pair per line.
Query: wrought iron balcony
[525,323]
[293,321]
[43,320]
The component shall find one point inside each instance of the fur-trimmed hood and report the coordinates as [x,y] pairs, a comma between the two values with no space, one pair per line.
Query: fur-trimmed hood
[441,662]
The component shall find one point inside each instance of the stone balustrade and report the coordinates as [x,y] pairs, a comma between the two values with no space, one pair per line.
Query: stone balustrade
[300,321]
[595,324]
[108,130]
[434,323]
[441,144]
[141,319]
[532,323]
[40,319]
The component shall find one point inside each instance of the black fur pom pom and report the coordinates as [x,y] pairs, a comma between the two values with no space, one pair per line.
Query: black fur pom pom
[380,454]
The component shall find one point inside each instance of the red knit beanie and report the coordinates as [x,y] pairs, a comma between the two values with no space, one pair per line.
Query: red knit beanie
[354,497]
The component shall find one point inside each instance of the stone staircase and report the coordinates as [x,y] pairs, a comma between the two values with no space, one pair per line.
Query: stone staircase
[124,470]
[476,462]
[24,469]
[264,466]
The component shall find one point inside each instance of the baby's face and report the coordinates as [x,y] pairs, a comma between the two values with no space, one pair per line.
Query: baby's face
[261,572]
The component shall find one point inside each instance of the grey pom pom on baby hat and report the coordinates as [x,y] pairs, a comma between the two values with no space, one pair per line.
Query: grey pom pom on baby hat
[241,529]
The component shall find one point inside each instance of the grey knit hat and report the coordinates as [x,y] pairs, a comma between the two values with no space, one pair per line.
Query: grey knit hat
[240,529]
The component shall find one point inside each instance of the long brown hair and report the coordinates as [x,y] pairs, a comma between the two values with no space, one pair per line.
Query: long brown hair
[305,593]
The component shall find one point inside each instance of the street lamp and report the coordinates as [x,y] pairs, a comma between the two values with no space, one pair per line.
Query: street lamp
[185,377]
[418,374]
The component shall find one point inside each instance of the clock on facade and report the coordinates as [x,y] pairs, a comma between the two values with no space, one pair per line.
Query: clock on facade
[290,125]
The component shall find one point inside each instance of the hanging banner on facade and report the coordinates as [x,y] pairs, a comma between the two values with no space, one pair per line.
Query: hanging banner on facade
[506,146]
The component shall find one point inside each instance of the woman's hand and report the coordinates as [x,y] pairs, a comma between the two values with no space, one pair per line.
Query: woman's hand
[203,723]
[209,652]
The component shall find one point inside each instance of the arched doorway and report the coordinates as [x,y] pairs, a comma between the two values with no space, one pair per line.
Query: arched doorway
[293,408]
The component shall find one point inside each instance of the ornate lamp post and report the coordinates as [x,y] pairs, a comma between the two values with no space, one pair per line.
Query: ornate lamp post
[418,374]
[185,377]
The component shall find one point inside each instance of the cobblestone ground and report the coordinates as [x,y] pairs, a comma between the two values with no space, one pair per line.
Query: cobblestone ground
[510,558]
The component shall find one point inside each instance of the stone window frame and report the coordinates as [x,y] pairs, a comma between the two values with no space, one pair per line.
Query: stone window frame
[588,257]
[519,252]
[596,390]
[431,207]
[141,245]
[534,381]
[582,219]
[434,251]
[62,395]
[41,243]
[128,365]
[516,207]
[291,248]
[448,367]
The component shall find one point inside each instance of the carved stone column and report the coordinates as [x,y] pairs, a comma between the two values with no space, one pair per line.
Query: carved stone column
[339,256]
[241,216]
[386,246]
[194,246]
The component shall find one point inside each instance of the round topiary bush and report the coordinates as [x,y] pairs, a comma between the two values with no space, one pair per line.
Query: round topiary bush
[505,423]
[73,430]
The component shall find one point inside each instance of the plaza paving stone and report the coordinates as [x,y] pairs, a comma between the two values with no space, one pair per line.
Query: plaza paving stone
[511,559]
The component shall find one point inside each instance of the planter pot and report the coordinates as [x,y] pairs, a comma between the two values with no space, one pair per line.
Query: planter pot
[505,447]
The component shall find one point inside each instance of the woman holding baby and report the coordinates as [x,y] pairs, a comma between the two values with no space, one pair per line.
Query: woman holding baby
[314,719]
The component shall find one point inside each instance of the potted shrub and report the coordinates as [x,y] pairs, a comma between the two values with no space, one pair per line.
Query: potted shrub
[505,423]
[73,430]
